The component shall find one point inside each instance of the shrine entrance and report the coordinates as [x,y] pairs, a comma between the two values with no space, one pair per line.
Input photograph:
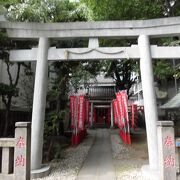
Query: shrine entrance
[141,30]
[102,116]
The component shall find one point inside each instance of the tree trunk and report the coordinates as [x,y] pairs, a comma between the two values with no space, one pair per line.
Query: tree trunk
[7,113]
[6,122]
[61,104]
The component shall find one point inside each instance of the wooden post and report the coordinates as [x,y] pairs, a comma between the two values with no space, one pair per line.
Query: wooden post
[22,151]
[166,150]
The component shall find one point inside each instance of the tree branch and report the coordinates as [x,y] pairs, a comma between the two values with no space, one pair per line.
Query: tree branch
[8,71]
[4,100]
[18,73]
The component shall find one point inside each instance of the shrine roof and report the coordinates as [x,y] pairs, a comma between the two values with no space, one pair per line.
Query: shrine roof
[101,92]
[173,103]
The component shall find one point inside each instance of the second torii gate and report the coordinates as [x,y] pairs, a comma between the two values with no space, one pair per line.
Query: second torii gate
[93,30]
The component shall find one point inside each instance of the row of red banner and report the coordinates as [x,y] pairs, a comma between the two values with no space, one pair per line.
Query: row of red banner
[134,110]
[79,109]
[121,118]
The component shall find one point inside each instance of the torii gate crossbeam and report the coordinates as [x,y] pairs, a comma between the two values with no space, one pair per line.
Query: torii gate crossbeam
[164,27]
[72,54]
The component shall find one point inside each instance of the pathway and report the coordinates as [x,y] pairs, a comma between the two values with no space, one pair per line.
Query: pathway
[99,164]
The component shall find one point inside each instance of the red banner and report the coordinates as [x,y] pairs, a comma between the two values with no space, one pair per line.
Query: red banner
[87,111]
[115,110]
[133,111]
[78,113]
[122,116]
[81,113]
[120,110]
[72,108]
[125,105]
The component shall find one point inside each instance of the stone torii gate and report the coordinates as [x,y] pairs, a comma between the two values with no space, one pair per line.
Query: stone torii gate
[142,30]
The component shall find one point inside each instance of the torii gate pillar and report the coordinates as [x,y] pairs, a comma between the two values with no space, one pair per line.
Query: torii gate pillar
[150,105]
[39,104]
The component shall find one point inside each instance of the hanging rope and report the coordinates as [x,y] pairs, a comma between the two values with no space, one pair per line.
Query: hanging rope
[67,52]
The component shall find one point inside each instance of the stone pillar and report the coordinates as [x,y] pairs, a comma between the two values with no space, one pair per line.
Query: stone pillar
[150,105]
[92,113]
[112,117]
[22,150]
[7,160]
[178,150]
[39,103]
[93,43]
[166,150]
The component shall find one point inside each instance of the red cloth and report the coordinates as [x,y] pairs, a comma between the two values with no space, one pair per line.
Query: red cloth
[122,116]
[133,111]
[81,113]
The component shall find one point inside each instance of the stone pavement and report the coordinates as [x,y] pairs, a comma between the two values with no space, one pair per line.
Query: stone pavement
[99,164]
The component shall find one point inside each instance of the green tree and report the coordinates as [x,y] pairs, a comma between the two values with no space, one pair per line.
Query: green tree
[47,11]
[131,10]
[8,90]
[122,73]
[83,73]
[54,11]
[123,9]
[171,8]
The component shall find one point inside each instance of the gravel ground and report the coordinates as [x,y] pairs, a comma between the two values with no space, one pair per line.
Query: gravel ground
[128,159]
[68,167]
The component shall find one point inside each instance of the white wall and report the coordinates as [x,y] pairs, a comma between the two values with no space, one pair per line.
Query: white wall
[25,86]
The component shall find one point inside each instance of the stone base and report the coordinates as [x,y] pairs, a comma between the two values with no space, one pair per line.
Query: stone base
[149,174]
[42,172]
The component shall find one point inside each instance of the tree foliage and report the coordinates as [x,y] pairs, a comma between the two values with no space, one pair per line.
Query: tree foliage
[9,89]
[55,11]
[65,11]
[47,11]
[163,69]
[122,73]
[132,10]
[123,9]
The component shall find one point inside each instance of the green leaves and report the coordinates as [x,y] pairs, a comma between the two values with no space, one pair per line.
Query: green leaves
[81,75]
[172,43]
[177,71]
[123,9]
[52,121]
[3,35]
[47,11]
[163,69]
[8,90]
